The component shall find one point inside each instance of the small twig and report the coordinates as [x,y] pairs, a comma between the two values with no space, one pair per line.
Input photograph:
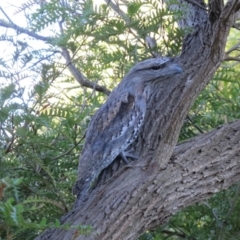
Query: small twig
[198,128]
[39,61]
[236,26]
[228,58]
[117,9]
[60,23]
[6,15]
[174,233]
[67,152]
[126,19]
[196,4]
[235,47]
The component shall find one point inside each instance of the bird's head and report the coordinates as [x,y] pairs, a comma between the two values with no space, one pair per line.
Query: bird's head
[151,70]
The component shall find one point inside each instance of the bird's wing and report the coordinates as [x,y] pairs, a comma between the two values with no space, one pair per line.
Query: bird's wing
[111,131]
[105,127]
[104,119]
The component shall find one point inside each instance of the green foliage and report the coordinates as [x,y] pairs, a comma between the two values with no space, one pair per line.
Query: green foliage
[216,105]
[41,136]
[44,112]
[40,144]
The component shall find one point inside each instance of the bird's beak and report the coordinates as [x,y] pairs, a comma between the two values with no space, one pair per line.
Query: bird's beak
[175,69]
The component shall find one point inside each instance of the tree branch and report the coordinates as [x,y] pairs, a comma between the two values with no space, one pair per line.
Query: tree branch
[235,47]
[6,15]
[83,81]
[166,178]
[197,169]
[229,58]
[229,9]
[197,4]
[127,20]
[79,76]
[118,10]
[25,31]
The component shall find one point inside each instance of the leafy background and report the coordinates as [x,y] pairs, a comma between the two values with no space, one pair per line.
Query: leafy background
[44,111]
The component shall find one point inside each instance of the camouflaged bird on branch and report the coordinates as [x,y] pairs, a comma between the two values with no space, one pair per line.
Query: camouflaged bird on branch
[118,122]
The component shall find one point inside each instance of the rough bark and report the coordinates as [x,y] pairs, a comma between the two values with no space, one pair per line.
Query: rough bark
[140,196]
[167,178]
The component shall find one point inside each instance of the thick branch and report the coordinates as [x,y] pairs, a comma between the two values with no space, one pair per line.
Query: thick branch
[197,169]
[145,193]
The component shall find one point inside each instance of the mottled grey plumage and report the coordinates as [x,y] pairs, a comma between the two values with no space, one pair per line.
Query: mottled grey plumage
[117,123]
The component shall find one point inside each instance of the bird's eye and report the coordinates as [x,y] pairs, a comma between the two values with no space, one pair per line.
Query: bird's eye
[157,67]
[160,66]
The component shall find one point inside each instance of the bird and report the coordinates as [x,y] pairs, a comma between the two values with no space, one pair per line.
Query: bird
[118,121]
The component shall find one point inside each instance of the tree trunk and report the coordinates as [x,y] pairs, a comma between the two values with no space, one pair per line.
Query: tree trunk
[167,178]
